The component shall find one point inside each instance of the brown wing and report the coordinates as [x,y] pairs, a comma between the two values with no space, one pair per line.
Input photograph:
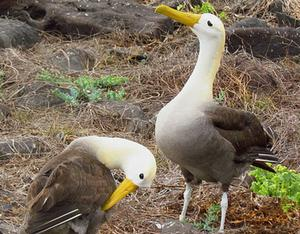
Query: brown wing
[66,189]
[241,128]
[244,131]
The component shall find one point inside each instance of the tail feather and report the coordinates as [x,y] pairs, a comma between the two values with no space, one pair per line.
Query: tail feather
[258,157]
[42,222]
[267,158]
[263,166]
[263,158]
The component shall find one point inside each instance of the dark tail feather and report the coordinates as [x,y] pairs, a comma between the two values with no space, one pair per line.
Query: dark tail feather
[271,158]
[263,158]
[43,222]
[258,156]
[263,166]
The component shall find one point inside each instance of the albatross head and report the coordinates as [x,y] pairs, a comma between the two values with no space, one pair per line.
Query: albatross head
[206,26]
[138,164]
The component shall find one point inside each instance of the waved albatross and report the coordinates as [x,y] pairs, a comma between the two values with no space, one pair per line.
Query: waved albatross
[74,190]
[210,142]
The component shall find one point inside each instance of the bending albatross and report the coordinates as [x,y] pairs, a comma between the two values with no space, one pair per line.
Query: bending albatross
[74,190]
[209,142]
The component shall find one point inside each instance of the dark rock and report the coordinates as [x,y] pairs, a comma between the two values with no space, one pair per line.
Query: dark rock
[116,115]
[250,22]
[132,55]
[133,116]
[261,42]
[4,112]
[24,145]
[283,18]
[261,76]
[286,20]
[80,18]
[125,109]
[176,227]
[14,33]
[74,59]
[38,94]
[6,5]
[276,6]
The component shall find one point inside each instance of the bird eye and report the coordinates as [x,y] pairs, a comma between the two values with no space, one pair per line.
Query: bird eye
[141,176]
[209,23]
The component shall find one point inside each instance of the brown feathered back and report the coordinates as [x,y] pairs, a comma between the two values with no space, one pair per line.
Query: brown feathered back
[71,185]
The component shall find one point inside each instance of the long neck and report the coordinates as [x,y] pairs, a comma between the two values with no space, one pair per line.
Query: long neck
[112,152]
[199,87]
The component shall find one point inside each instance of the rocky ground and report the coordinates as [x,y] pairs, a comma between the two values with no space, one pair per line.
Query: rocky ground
[35,124]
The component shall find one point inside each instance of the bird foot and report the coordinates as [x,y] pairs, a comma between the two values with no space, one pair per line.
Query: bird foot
[181,218]
[221,231]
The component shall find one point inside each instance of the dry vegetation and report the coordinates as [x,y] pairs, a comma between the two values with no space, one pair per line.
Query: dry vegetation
[269,89]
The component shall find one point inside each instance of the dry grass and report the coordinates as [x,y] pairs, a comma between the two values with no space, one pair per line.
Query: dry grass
[153,84]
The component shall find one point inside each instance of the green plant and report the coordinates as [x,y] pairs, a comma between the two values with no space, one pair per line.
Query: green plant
[205,7]
[264,103]
[111,81]
[116,95]
[221,96]
[53,78]
[284,184]
[211,217]
[181,6]
[86,88]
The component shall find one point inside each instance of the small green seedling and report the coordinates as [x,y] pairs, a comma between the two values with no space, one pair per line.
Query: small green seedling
[111,81]
[205,7]
[221,97]
[284,184]
[53,78]
[211,217]
[86,88]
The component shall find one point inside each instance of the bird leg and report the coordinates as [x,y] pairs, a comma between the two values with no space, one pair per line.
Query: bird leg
[187,197]
[224,205]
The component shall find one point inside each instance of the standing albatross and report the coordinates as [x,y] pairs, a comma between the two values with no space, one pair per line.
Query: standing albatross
[74,190]
[209,142]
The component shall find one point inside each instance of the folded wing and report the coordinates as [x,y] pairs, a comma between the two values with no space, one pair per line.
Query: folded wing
[65,190]
[245,132]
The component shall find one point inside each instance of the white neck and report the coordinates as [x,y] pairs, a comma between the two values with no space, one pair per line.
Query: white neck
[112,152]
[199,87]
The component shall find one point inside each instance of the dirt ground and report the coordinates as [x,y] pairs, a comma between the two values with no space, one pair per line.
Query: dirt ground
[270,89]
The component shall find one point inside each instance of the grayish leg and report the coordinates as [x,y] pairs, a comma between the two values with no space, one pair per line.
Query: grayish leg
[187,197]
[224,205]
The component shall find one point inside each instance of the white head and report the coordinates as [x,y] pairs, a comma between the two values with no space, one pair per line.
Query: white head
[209,27]
[206,26]
[140,168]
[137,162]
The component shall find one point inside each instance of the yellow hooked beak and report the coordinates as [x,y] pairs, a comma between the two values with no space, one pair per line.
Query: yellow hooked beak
[185,18]
[126,187]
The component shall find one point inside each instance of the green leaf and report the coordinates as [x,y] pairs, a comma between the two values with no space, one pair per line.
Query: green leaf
[111,81]
[65,97]
[116,95]
[284,184]
[223,16]
[181,6]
